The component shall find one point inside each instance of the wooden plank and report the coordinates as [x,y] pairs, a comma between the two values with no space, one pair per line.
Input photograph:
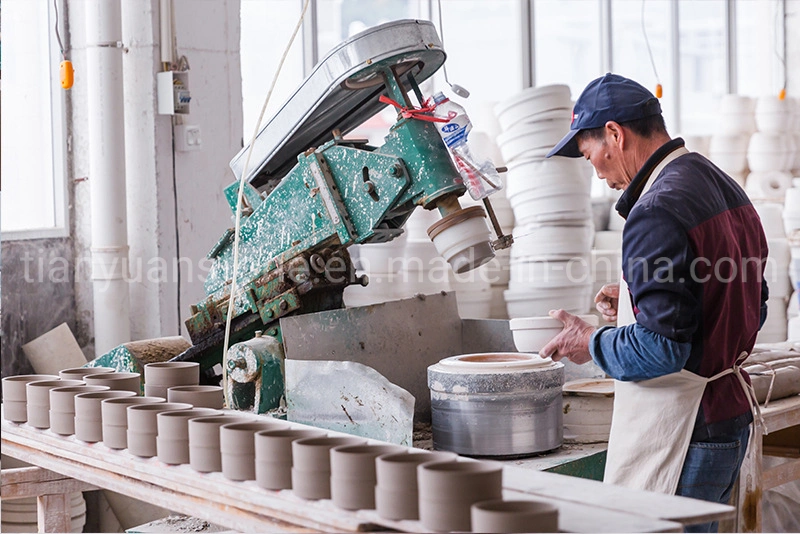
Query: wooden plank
[667,507]
[781,474]
[238,505]
[152,481]
[219,513]
[34,481]
[53,513]
[782,413]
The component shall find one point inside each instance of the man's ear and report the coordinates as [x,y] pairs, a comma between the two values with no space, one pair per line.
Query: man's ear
[614,134]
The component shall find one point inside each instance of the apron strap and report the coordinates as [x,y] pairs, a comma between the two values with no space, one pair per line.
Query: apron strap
[755,409]
[758,419]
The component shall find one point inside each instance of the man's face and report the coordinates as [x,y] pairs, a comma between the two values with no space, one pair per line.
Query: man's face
[605,156]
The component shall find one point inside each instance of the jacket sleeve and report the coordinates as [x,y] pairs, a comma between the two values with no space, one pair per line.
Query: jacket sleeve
[657,262]
[657,265]
[633,352]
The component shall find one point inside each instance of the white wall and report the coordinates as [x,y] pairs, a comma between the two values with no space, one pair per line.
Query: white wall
[207,33]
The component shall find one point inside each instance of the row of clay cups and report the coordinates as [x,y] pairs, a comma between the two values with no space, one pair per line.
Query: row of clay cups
[15,392]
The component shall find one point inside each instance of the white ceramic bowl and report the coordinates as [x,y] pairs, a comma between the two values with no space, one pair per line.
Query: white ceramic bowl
[532,101]
[531,334]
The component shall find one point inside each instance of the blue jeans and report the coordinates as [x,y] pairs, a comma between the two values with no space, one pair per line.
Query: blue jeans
[710,471]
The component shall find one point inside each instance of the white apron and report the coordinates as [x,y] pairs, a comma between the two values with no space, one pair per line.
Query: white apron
[653,419]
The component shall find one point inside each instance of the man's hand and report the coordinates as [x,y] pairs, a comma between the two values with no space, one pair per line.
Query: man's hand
[607,301]
[573,341]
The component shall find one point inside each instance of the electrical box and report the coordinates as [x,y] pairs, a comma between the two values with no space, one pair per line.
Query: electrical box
[173,93]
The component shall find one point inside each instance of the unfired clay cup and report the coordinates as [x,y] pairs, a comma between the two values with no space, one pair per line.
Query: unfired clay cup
[172,441]
[311,465]
[15,400]
[204,454]
[77,373]
[237,447]
[353,474]
[447,490]
[143,427]
[115,418]
[197,396]
[274,455]
[160,376]
[38,395]
[514,516]
[89,416]
[117,381]
[396,492]
[62,407]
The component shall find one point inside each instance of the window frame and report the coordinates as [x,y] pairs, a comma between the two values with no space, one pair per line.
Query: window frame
[58,139]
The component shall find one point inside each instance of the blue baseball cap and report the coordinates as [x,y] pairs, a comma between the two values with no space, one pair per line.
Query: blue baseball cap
[609,98]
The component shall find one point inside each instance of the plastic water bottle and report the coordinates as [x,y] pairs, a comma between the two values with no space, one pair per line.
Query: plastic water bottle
[480,176]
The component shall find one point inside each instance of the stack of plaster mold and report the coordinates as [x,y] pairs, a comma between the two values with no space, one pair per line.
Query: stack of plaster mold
[551,200]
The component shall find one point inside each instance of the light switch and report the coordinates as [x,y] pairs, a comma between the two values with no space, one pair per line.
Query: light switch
[187,137]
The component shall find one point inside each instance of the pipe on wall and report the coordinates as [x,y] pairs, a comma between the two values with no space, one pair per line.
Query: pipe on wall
[107,174]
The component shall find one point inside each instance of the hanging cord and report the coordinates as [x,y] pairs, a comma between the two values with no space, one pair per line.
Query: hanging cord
[457,89]
[781,57]
[659,89]
[58,35]
[240,200]
[65,70]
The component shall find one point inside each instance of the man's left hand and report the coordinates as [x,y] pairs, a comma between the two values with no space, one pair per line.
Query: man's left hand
[573,341]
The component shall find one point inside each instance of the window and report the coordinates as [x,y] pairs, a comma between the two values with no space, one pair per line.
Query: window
[759,47]
[702,64]
[630,51]
[265,31]
[33,168]
[567,43]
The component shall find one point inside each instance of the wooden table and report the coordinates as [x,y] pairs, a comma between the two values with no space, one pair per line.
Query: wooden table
[753,480]
[584,505]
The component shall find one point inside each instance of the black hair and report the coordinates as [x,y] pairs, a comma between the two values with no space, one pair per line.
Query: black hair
[645,127]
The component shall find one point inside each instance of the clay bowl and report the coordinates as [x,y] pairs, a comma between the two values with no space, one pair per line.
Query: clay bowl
[274,455]
[237,447]
[15,399]
[311,464]
[159,377]
[115,418]
[38,395]
[197,396]
[514,516]
[77,373]
[172,440]
[117,381]
[353,474]
[62,407]
[447,490]
[88,415]
[396,492]
[204,454]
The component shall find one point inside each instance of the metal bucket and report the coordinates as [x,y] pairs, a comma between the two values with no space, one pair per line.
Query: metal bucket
[496,404]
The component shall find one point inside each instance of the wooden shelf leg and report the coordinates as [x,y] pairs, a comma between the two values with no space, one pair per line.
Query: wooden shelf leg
[53,513]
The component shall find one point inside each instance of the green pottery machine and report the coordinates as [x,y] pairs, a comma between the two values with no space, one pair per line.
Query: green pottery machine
[309,194]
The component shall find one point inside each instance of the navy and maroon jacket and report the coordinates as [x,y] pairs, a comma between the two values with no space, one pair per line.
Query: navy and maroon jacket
[693,256]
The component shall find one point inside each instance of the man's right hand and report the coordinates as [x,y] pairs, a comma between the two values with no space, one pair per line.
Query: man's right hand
[607,301]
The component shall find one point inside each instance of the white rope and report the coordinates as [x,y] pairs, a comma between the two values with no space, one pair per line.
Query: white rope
[240,199]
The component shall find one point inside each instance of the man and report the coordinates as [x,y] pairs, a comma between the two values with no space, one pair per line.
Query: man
[689,306]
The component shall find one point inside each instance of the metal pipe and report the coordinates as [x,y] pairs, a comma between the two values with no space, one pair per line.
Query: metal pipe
[730,47]
[107,174]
